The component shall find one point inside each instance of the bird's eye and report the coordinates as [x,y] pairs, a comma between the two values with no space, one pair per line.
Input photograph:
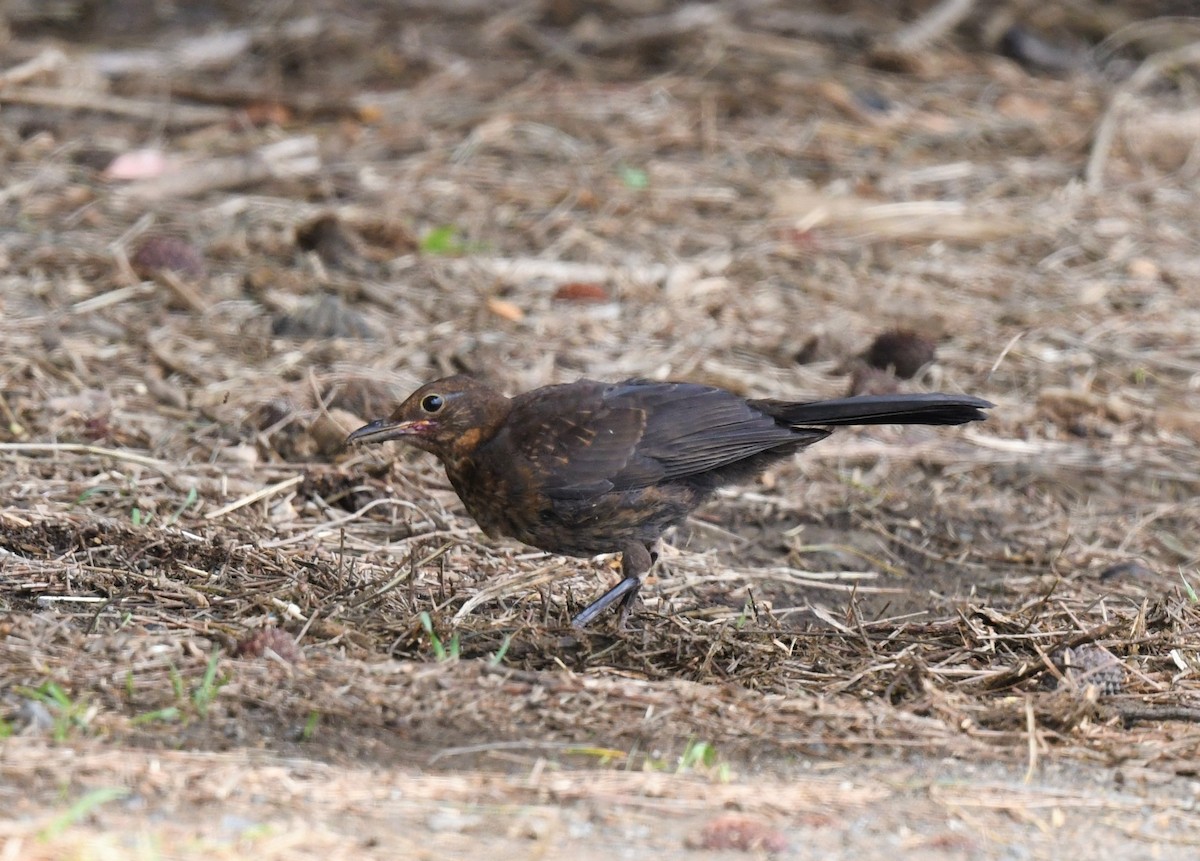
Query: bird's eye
[432,403]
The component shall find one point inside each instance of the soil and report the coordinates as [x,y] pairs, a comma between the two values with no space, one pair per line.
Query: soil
[235,234]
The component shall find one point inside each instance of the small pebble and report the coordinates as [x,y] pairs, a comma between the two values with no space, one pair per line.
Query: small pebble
[902,351]
[168,253]
[741,833]
[275,639]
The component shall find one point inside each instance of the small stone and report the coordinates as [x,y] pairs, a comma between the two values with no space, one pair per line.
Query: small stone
[273,639]
[168,253]
[1090,664]
[902,351]
[740,833]
[333,241]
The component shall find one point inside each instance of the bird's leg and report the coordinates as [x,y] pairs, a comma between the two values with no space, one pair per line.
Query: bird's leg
[636,560]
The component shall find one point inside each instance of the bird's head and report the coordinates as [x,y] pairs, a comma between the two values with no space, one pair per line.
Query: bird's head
[448,417]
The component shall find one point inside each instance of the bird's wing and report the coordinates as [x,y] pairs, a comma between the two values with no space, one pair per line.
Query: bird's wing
[693,429]
[572,439]
[589,437]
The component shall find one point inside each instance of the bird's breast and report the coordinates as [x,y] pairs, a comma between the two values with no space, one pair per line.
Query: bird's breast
[499,499]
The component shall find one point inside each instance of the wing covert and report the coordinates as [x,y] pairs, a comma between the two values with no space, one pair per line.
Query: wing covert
[588,437]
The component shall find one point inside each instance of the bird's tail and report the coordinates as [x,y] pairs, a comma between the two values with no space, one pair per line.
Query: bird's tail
[920,409]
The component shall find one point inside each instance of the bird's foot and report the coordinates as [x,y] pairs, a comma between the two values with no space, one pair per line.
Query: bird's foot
[625,592]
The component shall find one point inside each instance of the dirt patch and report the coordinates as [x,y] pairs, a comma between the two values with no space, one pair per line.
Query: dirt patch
[239,236]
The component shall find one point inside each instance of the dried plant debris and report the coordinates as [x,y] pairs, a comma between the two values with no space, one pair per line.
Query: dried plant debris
[866,380]
[237,238]
[326,316]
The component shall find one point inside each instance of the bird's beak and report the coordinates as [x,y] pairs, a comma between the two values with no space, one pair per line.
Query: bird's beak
[382,430]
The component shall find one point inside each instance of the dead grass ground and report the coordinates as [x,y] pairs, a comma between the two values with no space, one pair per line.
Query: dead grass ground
[973,642]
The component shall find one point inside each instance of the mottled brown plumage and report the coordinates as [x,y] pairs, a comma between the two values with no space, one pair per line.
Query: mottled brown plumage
[588,467]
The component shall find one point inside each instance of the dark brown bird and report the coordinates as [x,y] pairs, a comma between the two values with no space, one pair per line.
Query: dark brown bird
[588,468]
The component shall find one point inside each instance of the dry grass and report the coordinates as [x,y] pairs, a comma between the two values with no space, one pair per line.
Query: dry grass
[728,188]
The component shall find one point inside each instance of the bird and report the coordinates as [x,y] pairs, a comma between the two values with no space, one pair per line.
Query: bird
[588,467]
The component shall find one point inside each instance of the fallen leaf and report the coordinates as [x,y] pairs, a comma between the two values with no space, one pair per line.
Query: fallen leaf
[503,308]
[581,291]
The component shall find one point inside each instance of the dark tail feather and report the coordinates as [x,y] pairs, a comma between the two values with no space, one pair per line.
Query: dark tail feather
[929,409]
